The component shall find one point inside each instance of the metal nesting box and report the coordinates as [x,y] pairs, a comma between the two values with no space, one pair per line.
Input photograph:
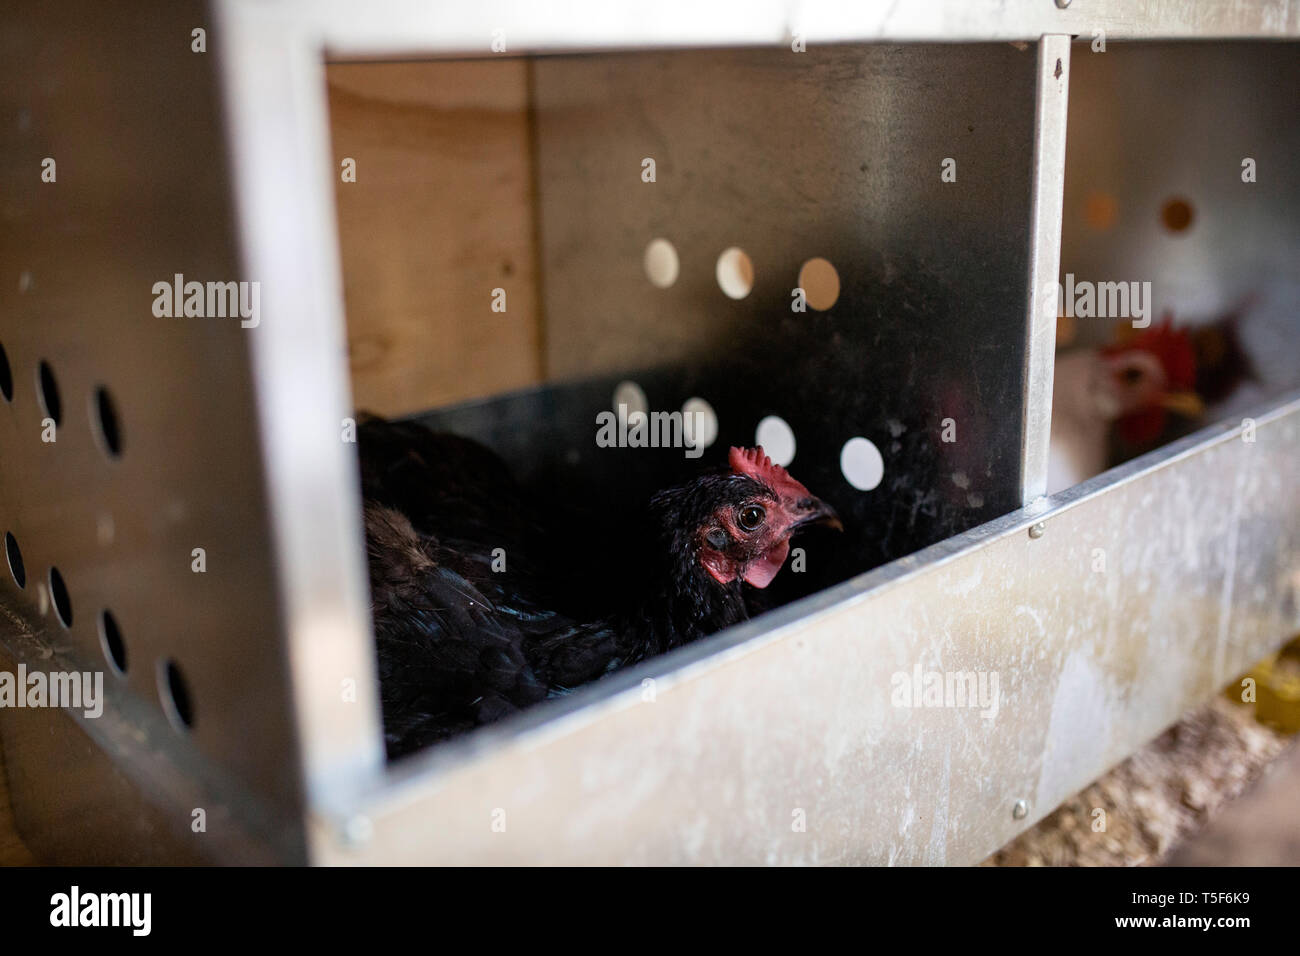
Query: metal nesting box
[246,690]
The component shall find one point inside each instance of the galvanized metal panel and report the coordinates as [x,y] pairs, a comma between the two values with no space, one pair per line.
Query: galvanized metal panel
[1050,117]
[114,789]
[415,26]
[837,153]
[1202,110]
[131,118]
[785,714]
[1201,575]
[282,173]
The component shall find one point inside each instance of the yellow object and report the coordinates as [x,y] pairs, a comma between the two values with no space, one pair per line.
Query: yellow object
[1276,689]
[1279,696]
[1187,404]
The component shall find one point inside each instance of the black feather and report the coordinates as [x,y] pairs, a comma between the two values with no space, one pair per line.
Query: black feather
[460,641]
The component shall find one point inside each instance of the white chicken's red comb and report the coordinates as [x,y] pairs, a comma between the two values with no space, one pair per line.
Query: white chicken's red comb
[753,462]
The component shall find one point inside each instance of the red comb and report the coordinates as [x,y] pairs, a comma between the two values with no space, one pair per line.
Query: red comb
[752,462]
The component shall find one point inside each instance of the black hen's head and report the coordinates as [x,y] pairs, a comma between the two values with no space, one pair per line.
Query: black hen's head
[736,525]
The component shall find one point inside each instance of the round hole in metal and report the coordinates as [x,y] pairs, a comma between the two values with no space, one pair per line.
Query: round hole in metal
[861,463]
[174,693]
[105,416]
[699,422]
[820,283]
[110,639]
[1177,214]
[48,391]
[15,556]
[776,438]
[59,594]
[6,377]
[661,263]
[735,273]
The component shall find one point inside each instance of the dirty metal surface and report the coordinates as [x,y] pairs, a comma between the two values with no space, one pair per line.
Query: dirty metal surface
[140,194]
[1150,586]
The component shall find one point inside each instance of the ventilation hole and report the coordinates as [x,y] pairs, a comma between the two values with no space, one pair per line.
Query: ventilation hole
[820,283]
[776,439]
[105,415]
[59,592]
[661,263]
[175,695]
[1177,215]
[110,638]
[49,393]
[735,273]
[6,377]
[629,399]
[16,567]
[1100,210]
[699,423]
[861,464]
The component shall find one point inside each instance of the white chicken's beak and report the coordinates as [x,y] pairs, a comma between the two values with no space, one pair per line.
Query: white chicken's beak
[1187,404]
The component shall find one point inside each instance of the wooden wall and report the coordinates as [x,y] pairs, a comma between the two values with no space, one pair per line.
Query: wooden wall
[441,214]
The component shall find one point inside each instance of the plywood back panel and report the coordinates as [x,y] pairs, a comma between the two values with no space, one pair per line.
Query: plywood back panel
[440,215]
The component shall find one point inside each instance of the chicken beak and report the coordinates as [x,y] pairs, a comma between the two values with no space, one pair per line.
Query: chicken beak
[817,512]
[1187,404]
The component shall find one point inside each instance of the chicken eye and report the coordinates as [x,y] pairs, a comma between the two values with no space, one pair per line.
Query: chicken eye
[750,517]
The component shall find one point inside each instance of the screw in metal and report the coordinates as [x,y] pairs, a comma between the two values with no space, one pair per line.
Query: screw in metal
[1020,810]
[1036,531]
[357,831]
[1062,4]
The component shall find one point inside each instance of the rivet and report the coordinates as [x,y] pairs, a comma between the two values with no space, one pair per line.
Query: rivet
[1021,809]
[1036,531]
[357,831]
[1062,4]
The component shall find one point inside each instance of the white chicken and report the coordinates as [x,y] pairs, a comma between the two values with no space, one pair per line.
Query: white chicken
[1124,392]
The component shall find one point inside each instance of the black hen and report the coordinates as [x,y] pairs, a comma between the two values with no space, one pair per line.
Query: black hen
[467,628]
